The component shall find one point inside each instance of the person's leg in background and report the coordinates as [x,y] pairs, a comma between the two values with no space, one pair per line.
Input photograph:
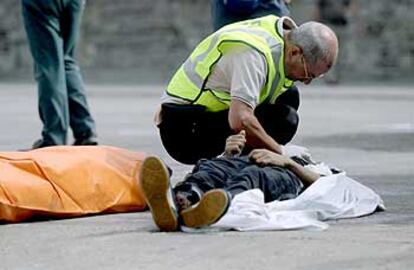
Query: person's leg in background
[42,24]
[245,9]
[221,16]
[81,121]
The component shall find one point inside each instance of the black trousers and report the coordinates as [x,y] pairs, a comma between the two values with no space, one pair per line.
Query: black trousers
[238,174]
[189,133]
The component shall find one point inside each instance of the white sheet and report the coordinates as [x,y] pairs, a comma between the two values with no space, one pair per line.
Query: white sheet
[331,197]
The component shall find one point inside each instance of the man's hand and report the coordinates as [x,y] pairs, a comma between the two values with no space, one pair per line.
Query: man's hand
[235,144]
[266,157]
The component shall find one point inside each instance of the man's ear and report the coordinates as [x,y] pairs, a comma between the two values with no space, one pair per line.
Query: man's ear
[296,51]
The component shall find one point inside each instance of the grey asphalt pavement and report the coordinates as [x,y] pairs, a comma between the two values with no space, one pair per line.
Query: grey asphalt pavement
[366,130]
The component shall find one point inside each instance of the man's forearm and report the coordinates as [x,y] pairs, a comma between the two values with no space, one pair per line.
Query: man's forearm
[258,138]
[241,117]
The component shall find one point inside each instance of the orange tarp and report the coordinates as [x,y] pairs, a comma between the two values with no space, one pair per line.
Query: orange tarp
[69,181]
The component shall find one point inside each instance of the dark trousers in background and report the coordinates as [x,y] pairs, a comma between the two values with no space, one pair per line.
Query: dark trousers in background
[52,28]
[189,133]
[238,174]
[223,16]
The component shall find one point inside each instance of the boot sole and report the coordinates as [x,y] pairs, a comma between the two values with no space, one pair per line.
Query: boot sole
[155,185]
[212,206]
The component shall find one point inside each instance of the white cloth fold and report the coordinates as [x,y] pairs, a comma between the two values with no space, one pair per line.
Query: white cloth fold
[331,197]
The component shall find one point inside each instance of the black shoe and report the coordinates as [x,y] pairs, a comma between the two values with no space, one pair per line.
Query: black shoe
[92,140]
[40,143]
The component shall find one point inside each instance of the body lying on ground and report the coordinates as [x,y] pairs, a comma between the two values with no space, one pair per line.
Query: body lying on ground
[206,193]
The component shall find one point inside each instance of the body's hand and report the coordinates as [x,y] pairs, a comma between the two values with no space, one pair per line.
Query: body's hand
[235,144]
[267,157]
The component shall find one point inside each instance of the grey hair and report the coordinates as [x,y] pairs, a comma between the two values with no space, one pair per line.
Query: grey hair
[315,39]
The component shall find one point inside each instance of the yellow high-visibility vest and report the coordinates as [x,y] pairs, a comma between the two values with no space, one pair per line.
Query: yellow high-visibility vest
[189,81]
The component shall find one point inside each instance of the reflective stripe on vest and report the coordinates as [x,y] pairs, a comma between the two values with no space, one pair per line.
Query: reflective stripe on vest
[189,81]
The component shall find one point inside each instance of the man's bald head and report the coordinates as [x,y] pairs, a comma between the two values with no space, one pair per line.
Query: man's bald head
[318,43]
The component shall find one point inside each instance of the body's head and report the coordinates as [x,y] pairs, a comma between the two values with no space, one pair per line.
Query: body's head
[310,51]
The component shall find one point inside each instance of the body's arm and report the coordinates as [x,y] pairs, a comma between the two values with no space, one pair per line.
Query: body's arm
[266,157]
[241,117]
[307,176]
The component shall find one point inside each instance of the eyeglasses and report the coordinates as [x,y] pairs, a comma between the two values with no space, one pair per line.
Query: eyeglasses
[308,77]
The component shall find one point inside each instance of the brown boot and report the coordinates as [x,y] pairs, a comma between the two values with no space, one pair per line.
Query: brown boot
[155,184]
[212,206]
